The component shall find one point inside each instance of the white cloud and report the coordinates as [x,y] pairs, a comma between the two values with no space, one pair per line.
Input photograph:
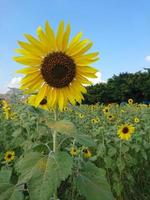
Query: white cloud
[98,79]
[147,58]
[14,83]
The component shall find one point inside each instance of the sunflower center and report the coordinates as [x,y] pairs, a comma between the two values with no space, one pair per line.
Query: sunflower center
[58,69]
[43,102]
[85,151]
[125,130]
[9,156]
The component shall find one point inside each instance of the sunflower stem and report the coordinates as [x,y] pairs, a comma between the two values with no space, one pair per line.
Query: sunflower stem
[55,143]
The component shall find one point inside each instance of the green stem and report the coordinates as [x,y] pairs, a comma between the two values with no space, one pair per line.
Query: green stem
[55,133]
[120,169]
[55,143]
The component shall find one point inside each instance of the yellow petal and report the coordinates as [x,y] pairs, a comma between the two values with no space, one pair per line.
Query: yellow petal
[41,94]
[84,62]
[28,60]
[66,38]
[29,48]
[59,37]
[70,95]
[83,80]
[61,100]
[75,40]
[75,48]
[87,69]
[50,35]
[89,55]
[28,70]
[82,50]
[89,75]
[30,77]
[32,86]
[36,43]
[76,93]
[54,99]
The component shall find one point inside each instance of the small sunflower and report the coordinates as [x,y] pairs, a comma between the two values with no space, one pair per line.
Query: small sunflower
[130,101]
[110,117]
[81,116]
[73,151]
[93,121]
[105,110]
[6,109]
[125,131]
[87,153]
[43,104]
[136,120]
[65,109]
[9,156]
[57,67]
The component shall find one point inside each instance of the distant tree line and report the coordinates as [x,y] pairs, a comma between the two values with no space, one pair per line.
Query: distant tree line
[120,88]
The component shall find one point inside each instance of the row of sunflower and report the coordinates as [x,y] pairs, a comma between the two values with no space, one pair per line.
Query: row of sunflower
[119,146]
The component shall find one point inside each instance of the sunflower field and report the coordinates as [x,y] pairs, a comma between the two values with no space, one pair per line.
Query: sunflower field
[54,148]
[102,152]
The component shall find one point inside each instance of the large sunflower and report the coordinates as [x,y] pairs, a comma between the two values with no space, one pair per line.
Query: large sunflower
[57,68]
[125,131]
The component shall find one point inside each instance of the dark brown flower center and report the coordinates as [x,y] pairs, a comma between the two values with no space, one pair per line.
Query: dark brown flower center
[125,130]
[58,69]
[9,156]
[43,102]
[85,150]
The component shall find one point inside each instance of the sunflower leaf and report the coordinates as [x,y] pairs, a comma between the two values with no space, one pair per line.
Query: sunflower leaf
[10,192]
[48,176]
[92,183]
[63,126]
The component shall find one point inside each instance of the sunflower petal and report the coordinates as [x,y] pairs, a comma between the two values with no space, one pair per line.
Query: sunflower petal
[50,35]
[41,94]
[59,36]
[66,38]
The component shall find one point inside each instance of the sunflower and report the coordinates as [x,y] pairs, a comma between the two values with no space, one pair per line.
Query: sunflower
[125,131]
[87,153]
[105,110]
[136,120]
[43,104]
[73,151]
[110,117]
[81,116]
[130,101]
[93,121]
[9,156]
[65,109]
[56,67]
[6,109]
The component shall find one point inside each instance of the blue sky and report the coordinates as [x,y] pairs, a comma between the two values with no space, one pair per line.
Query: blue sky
[120,30]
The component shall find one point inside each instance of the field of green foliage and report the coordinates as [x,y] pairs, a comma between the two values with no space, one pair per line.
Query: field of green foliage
[93,158]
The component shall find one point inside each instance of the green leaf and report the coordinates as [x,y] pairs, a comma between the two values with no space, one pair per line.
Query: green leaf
[85,140]
[17,132]
[44,174]
[48,176]
[92,183]
[9,192]
[63,126]
[27,164]
[5,175]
